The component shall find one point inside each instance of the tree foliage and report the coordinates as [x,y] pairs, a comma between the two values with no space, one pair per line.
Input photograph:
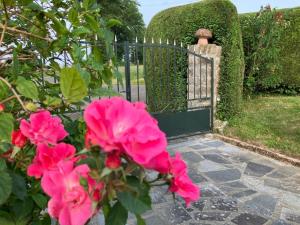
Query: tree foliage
[132,24]
[53,54]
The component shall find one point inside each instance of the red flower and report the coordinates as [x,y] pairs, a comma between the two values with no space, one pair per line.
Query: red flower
[116,124]
[70,203]
[2,107]
[184,187]
[47,158]
[113,160]
[18,139]
[43,128]
[181,183]
[160,163]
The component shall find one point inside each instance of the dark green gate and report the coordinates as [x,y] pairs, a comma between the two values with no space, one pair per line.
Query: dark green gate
[177,84]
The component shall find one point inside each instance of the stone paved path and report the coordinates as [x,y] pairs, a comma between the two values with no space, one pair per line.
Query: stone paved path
[238,187]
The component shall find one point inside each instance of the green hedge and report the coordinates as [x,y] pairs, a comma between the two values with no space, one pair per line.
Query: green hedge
[287,77]
[180,24]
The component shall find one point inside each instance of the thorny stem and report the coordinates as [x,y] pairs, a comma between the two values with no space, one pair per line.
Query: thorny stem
[8,99]
[14,30]
[3,33]
[14,92]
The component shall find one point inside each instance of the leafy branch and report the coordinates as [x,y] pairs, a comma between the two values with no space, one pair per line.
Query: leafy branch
[14,92]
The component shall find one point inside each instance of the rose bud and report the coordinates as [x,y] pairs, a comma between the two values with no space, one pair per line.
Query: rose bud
[18,139]
[2,107]
[113,160]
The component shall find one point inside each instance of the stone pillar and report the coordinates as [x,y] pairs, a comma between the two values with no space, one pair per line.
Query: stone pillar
[199,78]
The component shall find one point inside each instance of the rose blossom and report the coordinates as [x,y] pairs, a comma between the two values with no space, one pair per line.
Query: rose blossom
[2,107]
[116,124]
[18,139]
[47,158]
[113,160]
[43,128]
[70,203]
[160,163]
[185,188]
[181,183]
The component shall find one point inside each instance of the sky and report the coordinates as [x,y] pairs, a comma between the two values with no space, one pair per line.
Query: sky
[150,7]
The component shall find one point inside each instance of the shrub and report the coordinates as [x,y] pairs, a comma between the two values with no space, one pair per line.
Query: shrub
[271,46]
[180,24]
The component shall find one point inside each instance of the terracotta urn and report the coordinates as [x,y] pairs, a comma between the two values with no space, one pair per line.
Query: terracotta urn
[203,35]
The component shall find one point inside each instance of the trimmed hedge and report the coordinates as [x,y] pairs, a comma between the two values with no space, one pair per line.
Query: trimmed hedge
[180,24]
[288,75]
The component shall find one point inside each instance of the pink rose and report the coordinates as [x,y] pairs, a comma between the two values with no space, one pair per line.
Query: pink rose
[185,188]
[160,163]
[18,139]
[181,183]
[116,124]
[95,189]
[178,166]
[47,158]
[70,203]
[43,128]
[89,142]
[113,160]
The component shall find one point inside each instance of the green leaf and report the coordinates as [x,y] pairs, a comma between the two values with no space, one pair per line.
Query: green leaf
[81,31]
[134,204]
[6,127]
[72,85]
[140,220]
[106,171]
[138,201]
[22,210]
[88,4]
[107,76]
[92,23]
[4,147]
[2,164]
[27,88]
[73,16]
[6,218]
[117,215]
[113,23]
[5,186]
[52,101]
[19,186]
[57,25]
[40,200]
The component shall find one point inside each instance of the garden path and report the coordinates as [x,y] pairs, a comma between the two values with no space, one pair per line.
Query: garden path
[237,187]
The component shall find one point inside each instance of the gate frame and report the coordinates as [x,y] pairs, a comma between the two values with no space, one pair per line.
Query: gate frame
[158,115]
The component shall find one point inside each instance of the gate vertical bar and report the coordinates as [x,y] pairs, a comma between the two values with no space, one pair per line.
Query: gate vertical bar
[212,92]
[127,70]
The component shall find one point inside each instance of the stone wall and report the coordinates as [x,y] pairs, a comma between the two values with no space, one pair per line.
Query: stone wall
[199,75]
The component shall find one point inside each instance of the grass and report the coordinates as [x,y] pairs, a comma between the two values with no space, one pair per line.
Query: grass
[133,74]
[270,121]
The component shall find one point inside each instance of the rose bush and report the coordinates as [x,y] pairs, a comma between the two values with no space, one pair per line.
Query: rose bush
[55,56]
[124,142]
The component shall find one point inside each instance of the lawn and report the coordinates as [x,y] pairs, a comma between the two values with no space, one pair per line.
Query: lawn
[133,74]
[270,121]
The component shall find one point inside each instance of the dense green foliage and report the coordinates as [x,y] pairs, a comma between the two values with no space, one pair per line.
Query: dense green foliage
[273,37]
[43,66]
[127,13]
[220,16]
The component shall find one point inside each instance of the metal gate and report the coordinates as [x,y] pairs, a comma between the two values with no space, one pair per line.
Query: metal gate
[175,82]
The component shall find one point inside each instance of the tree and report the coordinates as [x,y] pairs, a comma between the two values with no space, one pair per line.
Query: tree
[127,12]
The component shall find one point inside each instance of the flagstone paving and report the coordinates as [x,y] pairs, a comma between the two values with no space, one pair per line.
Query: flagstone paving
[237,187]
